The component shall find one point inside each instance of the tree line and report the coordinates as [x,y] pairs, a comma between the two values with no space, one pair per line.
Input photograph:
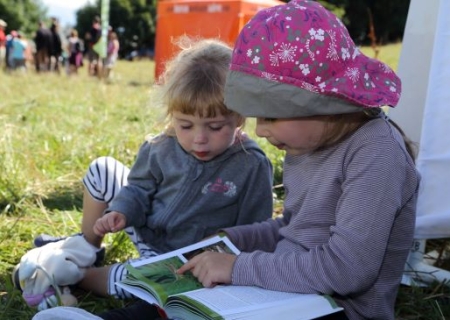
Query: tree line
[368,21]
[387,17]
[22,15]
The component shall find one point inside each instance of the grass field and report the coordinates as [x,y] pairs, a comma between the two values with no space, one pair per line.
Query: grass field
[54,126]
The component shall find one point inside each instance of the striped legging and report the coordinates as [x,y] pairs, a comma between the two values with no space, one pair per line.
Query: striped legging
[104,179]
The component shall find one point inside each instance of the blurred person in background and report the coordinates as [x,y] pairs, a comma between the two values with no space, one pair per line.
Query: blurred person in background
[43,41]
[19,47]
[56,47]
[9,63]
[75,52]
[112,53]
[92,37]
[3,25]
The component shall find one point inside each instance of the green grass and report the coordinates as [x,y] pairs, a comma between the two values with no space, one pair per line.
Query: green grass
[54,126]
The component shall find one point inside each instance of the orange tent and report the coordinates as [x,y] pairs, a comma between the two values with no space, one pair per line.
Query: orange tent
[221,19]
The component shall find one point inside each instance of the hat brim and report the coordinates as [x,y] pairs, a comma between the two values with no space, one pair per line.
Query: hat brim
[257,97]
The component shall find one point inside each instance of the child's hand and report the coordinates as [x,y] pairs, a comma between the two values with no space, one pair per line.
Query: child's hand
[210,268]
[111,222]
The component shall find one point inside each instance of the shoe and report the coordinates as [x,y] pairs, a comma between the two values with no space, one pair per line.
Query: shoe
[100,257]
[15,277]
[44,239]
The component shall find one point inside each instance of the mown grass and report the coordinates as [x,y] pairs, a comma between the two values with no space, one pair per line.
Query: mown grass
[54,126]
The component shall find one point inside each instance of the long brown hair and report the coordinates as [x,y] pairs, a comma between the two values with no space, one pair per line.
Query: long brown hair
[340,126]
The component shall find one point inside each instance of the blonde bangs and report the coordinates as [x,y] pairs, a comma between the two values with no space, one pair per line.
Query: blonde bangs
[203,104]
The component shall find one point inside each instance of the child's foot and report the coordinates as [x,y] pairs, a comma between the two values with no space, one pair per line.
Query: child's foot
[99,257]
[44,239]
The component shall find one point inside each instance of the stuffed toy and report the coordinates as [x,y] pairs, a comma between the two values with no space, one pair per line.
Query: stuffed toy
[45,272]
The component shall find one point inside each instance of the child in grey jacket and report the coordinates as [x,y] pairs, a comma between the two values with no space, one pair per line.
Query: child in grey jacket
[201,174]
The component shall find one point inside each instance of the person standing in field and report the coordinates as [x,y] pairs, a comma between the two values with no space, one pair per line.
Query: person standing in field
[352,185]
[112,54]
[201,174]
[18,53]
[56,48]
[44,42]
[3,25]
[93,36]
[75,52]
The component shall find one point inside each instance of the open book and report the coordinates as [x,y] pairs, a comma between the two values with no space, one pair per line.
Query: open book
[182,297]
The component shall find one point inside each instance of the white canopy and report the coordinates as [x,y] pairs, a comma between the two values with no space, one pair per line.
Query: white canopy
[424,109]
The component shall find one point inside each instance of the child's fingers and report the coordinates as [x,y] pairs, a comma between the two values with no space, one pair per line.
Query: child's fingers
[111,224]
[116,223]
[98,229]
[120,225]
[188,265]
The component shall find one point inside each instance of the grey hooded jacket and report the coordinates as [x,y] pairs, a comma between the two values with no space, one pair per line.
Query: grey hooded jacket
[173,199]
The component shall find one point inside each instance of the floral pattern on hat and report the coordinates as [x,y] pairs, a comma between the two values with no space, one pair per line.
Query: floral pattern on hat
[303,44]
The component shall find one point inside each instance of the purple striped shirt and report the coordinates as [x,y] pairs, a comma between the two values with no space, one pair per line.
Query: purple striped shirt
[347,225]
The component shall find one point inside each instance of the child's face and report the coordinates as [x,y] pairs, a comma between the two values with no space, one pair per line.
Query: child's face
[204,138]
[296,136]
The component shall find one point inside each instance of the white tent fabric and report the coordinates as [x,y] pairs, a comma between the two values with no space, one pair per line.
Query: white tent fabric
[424,109]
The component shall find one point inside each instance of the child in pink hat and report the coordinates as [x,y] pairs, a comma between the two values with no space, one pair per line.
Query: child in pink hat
[349,174]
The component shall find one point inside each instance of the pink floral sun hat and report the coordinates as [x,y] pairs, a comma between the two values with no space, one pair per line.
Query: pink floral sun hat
[297,60]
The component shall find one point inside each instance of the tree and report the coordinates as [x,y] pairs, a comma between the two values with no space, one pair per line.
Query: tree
[133,20]
[389,18]
[22,15]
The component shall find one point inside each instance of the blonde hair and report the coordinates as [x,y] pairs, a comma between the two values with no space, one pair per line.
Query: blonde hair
[193,81]
[74,33]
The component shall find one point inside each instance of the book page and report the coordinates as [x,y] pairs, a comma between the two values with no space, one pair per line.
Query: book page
[161,279]
[216,243]
[157,276]
[257,303]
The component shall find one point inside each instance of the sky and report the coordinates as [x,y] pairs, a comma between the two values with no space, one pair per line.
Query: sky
[64,10]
